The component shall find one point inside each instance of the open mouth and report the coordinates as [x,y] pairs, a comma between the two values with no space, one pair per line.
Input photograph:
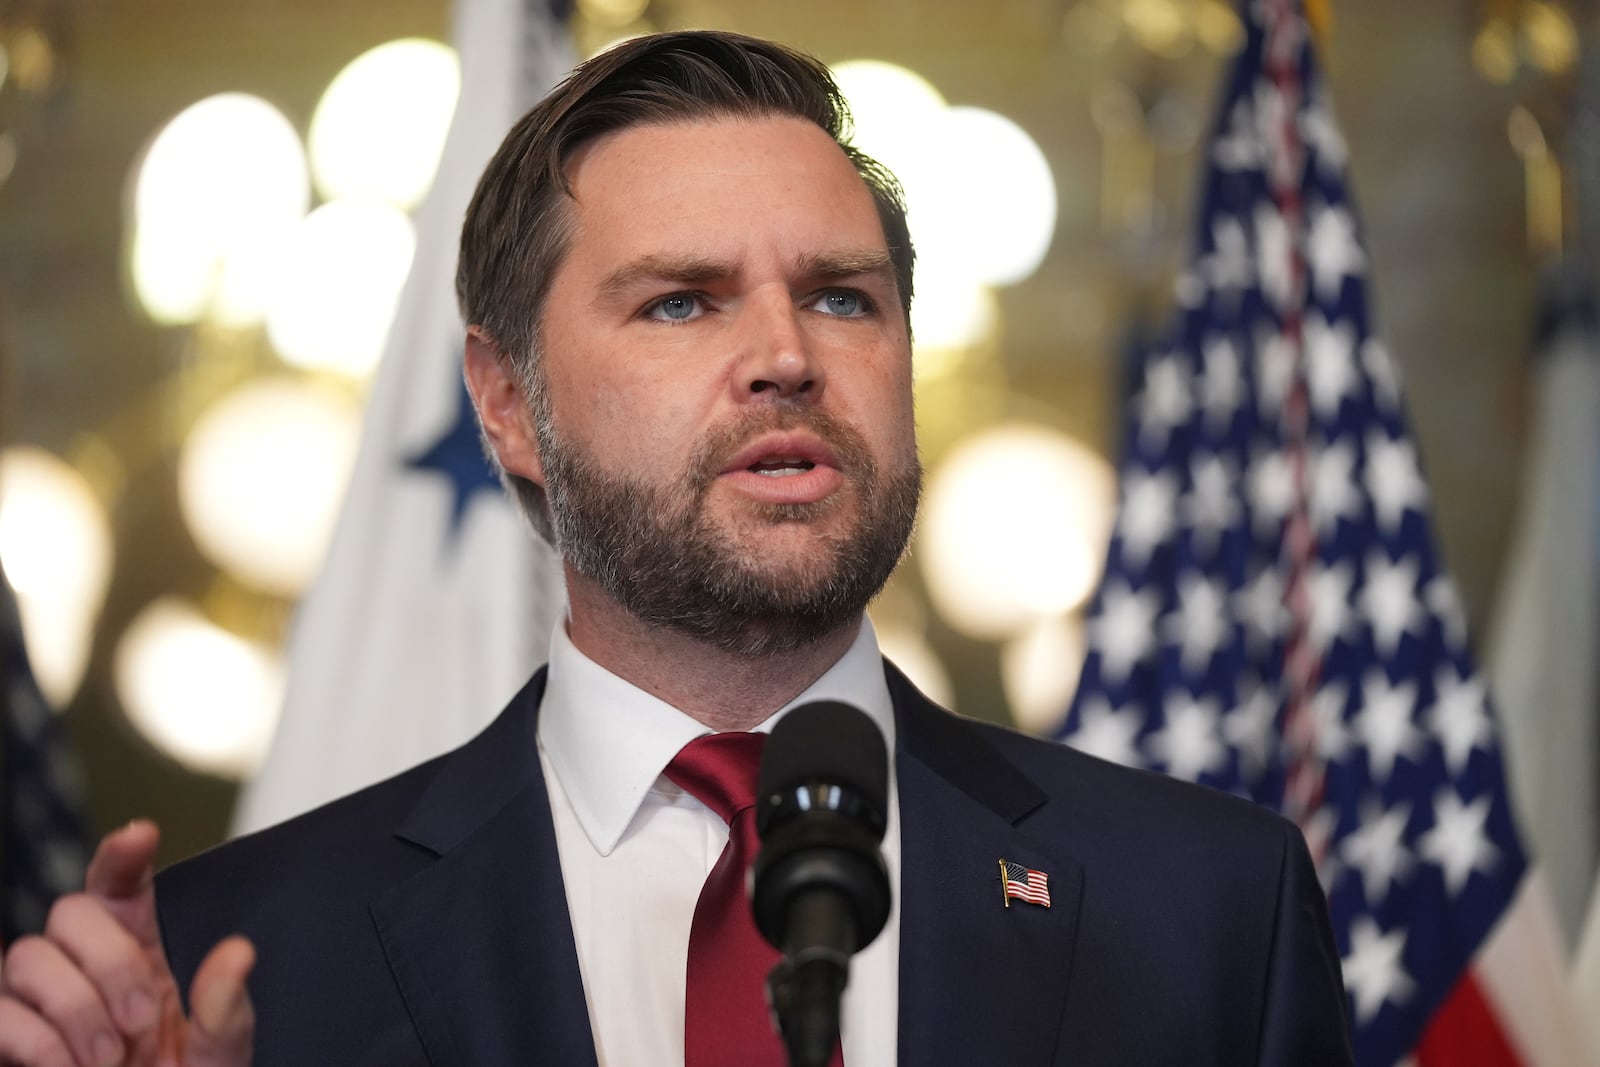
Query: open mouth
[781,466]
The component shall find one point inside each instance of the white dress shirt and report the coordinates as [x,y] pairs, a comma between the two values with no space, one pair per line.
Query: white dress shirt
[635,850]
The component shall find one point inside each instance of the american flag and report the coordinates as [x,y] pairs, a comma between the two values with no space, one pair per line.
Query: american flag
[1274,619]
[1024,883]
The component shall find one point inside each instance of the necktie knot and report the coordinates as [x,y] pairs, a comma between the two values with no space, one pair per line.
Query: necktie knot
[720,770]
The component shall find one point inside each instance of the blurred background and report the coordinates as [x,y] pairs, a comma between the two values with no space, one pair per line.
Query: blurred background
[205,224]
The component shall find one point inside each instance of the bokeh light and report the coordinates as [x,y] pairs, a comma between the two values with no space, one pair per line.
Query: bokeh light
[380,126]
[1014,529]
[893,111]
[206,697]
[612,13]
[989,212]
[56,544]
[260,478]
[1039,671]
[336,284]
[225,178]
[909,650]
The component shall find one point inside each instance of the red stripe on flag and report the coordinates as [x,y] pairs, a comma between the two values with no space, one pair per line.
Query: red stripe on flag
[1464,1032]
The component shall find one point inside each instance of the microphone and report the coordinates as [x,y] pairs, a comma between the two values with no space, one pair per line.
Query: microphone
[819,887]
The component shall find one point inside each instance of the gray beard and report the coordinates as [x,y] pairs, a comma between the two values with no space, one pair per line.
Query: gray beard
[654,550]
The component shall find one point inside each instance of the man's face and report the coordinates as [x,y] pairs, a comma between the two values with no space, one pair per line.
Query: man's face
[725,426]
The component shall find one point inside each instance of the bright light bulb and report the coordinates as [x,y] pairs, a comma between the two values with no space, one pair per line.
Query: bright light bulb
[204,696]
[338,279]
[1014,529]
[990,211]
[380,126]
[224,177]
[893,110]
[260,479]
[55,541]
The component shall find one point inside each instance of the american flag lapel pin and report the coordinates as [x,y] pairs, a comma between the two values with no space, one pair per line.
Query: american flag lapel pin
[1024,883]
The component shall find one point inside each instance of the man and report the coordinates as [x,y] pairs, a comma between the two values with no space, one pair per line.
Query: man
[690,356]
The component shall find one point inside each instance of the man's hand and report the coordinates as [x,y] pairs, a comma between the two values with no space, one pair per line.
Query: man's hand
[95,990]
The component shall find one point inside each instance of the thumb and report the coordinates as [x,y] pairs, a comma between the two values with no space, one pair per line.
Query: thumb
[222,1021]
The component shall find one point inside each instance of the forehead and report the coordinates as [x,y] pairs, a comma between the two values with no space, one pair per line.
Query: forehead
[720,186]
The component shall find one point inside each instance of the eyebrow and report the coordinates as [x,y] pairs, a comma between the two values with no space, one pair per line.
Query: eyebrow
[684,270]
[698,270]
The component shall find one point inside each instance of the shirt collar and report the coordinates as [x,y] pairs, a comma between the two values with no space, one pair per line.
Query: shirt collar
[608,740]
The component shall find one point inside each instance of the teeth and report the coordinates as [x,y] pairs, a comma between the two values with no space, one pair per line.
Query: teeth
[782,466]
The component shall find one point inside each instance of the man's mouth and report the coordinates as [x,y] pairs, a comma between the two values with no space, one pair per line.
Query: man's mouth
[782,466]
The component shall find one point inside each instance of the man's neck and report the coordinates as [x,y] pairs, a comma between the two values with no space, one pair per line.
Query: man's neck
[724,690]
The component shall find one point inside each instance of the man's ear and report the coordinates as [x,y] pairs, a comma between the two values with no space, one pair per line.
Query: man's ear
[506,414]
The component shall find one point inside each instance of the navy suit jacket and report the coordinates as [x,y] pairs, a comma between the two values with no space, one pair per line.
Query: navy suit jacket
[424,921]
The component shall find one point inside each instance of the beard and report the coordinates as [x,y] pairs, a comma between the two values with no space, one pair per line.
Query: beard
[657,551]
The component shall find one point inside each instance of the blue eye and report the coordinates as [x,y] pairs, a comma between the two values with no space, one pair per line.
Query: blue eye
[847,303]
[679,307]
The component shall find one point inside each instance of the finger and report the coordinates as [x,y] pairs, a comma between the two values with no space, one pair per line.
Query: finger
[27,1040]
[40,976]
[222,1021]
[122,875]
[111,958]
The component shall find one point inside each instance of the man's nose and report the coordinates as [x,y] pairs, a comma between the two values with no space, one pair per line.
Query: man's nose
[777,360]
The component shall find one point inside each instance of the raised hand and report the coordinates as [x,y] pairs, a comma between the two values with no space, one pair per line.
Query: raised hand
[95,989]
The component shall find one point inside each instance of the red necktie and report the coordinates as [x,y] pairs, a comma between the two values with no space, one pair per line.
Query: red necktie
[726,1021]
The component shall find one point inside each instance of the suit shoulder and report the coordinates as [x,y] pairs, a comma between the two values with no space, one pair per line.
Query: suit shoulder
[1092,783]
[333,836]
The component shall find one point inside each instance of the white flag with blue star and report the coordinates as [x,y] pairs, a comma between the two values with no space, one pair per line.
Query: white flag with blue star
[435,602]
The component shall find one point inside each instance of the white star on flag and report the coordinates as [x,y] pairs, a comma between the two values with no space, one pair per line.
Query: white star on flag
[1277,255]
[1373,973]
[1459,717]
[1330,603]
[1228,270]
[1333,251]
[1330,363]
[1188,744]
[1201,623]
[1222,383]
[1394,480]
[1166,400]
[1389,600]
[1335,494]
[1327,709]
[1457,842]
[1270,488]
[1124,631]
[1259,605]
[1249,727]
[1384,723]
[1276,361]
[1148,513]
[1110,733]
[1210,507]
[1377,850]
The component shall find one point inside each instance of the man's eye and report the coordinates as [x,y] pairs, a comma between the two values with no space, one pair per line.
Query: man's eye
[678,307]
[843,302]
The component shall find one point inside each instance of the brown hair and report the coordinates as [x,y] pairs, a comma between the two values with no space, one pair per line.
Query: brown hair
[518,225]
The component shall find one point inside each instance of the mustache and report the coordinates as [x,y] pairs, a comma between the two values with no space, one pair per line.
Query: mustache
[713,454]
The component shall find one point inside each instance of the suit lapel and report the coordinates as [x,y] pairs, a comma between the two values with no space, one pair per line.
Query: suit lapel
[479,940]
[979,982]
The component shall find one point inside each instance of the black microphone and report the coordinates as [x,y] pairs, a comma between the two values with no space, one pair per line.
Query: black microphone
[819,887]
